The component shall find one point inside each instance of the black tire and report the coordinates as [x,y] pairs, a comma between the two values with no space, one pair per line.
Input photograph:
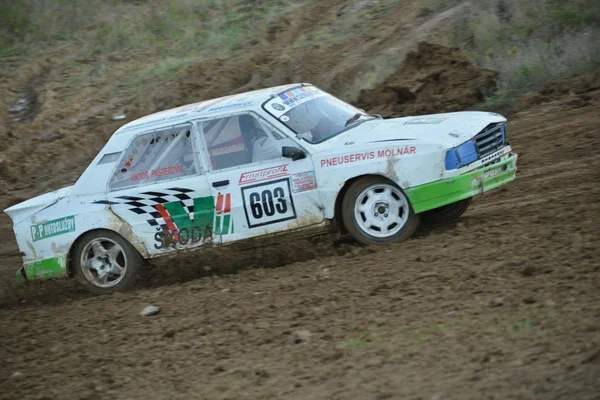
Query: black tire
[103,264]
[358,228]
[447,213]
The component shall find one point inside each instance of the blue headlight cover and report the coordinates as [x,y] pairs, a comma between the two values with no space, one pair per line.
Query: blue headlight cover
[463,155]
[452,160]
[467,152]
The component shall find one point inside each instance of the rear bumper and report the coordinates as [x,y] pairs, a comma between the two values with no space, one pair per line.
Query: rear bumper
[450,190]
[49,268]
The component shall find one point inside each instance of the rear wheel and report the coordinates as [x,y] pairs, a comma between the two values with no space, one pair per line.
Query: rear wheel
[104,262]
[447,213]
[376,211]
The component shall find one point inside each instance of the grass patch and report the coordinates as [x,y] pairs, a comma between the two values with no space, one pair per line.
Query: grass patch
[174,28]
[529,42]
[354,20]
[534,318]
[10,51]
[364,338]
[160,72]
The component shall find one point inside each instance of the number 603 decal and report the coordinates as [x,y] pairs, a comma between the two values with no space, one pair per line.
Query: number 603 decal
[268,203]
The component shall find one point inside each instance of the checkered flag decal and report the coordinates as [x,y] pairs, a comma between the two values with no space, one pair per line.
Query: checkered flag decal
[151,205]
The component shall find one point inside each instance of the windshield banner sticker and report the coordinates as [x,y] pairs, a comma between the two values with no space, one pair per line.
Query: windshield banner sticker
[53,228]
[304,181]
[292,98]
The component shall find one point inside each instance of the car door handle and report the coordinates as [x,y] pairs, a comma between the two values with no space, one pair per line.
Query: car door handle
[220,183]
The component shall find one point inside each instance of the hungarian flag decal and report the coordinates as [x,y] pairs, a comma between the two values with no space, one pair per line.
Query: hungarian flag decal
[223,223]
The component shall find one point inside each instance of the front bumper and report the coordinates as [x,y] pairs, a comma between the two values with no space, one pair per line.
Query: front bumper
[450,190]
[49,268]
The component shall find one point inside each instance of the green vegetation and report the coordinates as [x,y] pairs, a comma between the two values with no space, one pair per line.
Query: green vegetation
[529,42]
[175,32]
[533,318]
[174,28]
[364,338]
[163,70]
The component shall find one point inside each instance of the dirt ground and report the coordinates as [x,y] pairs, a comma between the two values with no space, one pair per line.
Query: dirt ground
[431,78]
[504,304]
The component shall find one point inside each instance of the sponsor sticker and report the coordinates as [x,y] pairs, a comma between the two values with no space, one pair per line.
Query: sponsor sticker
[229,106]
[53,228]
[284,118]
[268,203]
[208,104]
[278,107]
[158,172]
[368,155]
[181,227]
[494,172]
[303,181]
[264,174]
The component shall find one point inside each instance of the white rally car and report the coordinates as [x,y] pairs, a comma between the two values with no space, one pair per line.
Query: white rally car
[258,163]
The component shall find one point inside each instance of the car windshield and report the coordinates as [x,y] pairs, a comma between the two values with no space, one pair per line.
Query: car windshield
[313,114]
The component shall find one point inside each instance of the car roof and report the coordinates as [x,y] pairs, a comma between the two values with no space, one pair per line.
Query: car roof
[205,108]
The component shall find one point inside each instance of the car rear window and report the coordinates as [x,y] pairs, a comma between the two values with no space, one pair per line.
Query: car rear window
[156,156]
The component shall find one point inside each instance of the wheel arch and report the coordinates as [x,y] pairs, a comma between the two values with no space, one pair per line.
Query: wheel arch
[337,215]
[138,247]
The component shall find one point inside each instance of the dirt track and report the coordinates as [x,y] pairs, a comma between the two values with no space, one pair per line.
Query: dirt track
[504,305]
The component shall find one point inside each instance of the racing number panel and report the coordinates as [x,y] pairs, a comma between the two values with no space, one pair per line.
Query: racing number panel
[268,203]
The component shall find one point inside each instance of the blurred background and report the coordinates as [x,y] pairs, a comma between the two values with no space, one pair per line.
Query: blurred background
[503,304]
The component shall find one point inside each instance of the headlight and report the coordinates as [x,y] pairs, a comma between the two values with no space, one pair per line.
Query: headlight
[462,155]
[452,159]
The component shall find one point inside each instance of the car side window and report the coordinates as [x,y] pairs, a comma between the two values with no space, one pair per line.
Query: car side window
[238,140]
[156,156]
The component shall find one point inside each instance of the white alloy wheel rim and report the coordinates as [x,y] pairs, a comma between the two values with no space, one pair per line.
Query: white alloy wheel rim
[103,262]
[381,210]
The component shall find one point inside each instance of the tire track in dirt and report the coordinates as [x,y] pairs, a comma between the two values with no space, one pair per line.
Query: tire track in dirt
[502,304]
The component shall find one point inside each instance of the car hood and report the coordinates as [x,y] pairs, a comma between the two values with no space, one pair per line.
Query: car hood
[449,129]
[26,209]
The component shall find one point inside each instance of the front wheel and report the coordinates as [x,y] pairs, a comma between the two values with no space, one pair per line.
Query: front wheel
[104,262]
[376,211]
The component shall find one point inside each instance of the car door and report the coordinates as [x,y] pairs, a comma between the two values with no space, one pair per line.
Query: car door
[253,197]
[159,189]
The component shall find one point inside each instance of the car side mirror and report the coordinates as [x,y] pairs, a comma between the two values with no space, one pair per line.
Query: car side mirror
[293,152]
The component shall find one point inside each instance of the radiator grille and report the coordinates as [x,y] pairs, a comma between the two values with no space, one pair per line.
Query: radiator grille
[490,139]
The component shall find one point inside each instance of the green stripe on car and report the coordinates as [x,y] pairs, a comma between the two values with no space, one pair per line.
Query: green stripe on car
[450,190]
[55,267]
